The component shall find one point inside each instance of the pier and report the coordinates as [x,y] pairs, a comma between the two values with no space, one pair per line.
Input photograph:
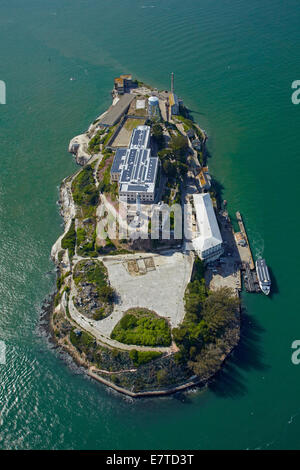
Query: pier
[247,263]
[243,244]
[250,279]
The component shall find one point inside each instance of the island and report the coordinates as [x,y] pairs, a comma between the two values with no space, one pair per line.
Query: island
[149,266]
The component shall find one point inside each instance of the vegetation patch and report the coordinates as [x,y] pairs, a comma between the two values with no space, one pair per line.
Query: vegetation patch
[131,123]
[142,327]
[142,357]
[105,185]
[174,158]
[210,325]
[86,240]
[69,240]
[95,296]
[189,124]
[94,143]
[84,190]
[108,136]
[157,134]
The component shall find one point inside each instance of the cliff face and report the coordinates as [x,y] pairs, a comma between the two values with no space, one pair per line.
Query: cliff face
[68,212]
[79,148]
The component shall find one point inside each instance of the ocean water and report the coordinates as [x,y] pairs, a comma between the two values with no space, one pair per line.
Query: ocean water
[234,62]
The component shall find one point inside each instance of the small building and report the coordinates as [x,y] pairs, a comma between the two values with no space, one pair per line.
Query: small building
[208,243]
[119,85]
[204,178]
[174,104]
[123,83]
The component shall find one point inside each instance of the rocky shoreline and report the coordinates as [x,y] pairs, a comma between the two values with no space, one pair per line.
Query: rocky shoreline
[49,308]
[110,366]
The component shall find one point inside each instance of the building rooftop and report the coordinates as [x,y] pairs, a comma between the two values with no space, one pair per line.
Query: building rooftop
[119,159]
[119,81]
[140,137]
[115,112]
[137,168]
[209,234]
[173,99]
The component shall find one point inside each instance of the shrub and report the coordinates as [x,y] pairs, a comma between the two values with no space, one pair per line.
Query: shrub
[84,189]
[162,377]
[94,143]
[142,357]
[83,341]
[81,234]
[94,272]
[142,327]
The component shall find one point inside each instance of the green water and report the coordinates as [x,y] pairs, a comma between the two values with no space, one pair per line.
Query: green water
[234,62]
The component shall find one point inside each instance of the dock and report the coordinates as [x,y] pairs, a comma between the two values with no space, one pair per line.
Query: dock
[250,279]
[244,251]
[246,258]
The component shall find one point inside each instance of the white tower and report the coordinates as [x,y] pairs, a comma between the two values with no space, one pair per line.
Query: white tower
[153,107]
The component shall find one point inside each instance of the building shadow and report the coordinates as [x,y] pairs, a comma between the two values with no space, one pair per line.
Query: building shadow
[274,284]
[247,356]
[218,189]
[191,111]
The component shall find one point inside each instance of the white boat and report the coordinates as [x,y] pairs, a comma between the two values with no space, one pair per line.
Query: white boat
[263,276]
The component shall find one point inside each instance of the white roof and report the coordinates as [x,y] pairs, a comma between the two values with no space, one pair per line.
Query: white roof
[209,234]
[140,104]
[153,100]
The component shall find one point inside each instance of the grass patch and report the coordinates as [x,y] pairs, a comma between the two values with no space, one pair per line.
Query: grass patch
[142,327]
[130,124]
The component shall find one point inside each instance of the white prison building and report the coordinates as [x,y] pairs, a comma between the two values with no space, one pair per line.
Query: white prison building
[208,243]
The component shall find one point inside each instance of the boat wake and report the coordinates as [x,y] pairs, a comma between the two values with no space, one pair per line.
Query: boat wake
[258,246]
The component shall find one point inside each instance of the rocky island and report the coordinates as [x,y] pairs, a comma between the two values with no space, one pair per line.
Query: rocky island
[145,301]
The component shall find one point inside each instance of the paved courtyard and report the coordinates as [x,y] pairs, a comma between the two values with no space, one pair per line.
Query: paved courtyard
[160,287]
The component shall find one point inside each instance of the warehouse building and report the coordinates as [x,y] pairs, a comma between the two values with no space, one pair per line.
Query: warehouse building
[135,169]
[116,111]
[208,243]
